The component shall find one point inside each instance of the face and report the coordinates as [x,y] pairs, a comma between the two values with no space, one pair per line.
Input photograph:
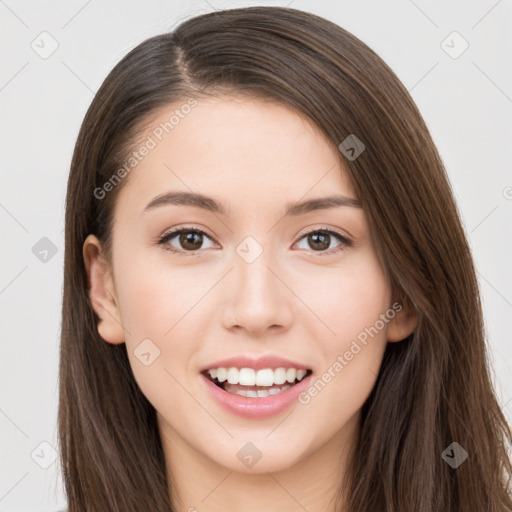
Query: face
[248,281]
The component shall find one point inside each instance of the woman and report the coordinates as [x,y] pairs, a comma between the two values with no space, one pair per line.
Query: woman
[269,299]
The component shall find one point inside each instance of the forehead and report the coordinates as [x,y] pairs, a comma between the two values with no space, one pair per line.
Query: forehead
[246,151]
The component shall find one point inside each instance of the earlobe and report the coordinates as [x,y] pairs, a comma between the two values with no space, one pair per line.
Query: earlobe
[402,325]
[102,292]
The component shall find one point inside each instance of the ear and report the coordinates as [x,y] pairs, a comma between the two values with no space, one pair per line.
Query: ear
[402,324]
[102,292]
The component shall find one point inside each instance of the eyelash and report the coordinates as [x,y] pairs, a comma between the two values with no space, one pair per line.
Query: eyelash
[345,242]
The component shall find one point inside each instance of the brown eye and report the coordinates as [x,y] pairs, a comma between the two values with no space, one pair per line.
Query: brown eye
[184,240]
[191,240]
[319,241]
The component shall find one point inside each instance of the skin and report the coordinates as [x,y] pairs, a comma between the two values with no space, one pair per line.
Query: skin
[292,301]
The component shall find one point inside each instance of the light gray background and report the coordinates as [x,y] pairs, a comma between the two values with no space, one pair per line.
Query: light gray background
[466,102]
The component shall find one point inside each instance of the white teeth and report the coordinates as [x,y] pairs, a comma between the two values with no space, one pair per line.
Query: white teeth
[232,376]
[280,376]
[265,377]
[261,393]
[249,377]
[291,373]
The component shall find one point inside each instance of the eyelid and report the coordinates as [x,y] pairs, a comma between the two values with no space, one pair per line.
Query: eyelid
[186,228]
[330,229]
[345,240]
[172,232]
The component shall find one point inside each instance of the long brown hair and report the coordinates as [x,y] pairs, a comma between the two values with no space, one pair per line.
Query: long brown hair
[433,389]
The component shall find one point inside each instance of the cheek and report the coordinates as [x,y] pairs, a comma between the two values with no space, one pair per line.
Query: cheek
[158,314]
[160,301]
[352,352]
[154,301]
[346,300]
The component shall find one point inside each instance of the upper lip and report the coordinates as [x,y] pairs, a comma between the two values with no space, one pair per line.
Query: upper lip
[258,363]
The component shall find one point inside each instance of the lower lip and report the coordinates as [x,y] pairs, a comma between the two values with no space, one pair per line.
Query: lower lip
[260,407]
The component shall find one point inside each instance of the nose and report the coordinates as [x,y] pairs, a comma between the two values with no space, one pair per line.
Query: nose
[259,300]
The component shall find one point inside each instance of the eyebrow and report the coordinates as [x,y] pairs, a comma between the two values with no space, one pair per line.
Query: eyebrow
[212,205]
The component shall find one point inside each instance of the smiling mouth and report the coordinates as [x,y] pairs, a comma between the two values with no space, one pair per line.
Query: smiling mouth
[254,391]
